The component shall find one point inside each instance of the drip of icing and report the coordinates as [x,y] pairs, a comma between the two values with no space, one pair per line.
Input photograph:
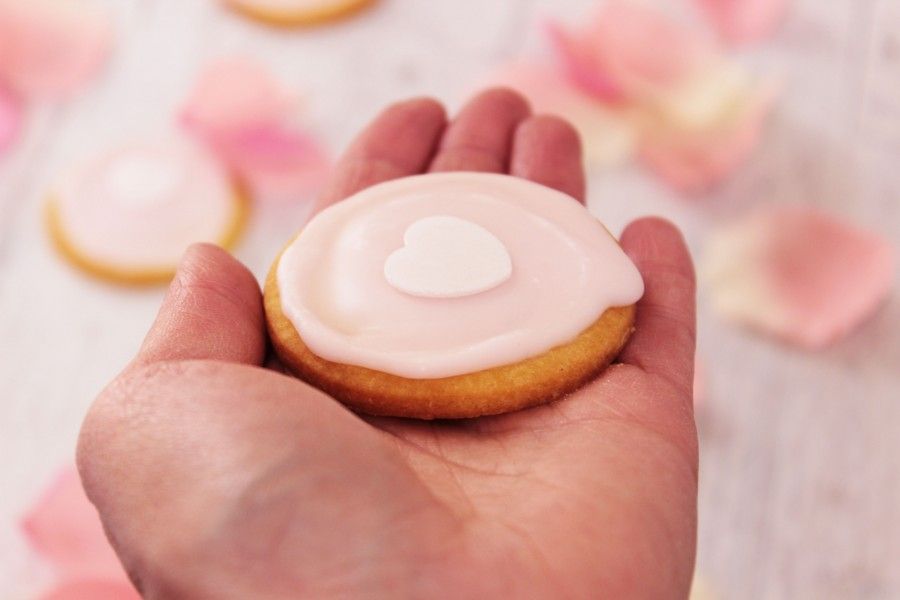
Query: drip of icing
[566,271]
[142,205]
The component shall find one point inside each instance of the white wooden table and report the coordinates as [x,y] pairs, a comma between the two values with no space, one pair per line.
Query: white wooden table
[800,478]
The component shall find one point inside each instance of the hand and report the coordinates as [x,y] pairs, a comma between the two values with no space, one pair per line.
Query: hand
[218,478]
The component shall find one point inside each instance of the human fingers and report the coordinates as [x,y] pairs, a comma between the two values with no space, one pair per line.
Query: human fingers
[399,142]
[480,137]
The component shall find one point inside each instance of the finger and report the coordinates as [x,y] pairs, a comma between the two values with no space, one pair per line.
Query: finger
[480,138]
[218,480]
[547,150]
[665,327]
[398,143]
[213,310]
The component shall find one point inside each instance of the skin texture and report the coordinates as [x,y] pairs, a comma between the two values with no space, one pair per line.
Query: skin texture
[217,477]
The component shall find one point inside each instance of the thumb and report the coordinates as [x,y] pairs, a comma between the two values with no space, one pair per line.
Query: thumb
[213,310]
[215,479]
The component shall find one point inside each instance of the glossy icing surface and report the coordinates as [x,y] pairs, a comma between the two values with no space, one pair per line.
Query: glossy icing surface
[142,205]
[565,271]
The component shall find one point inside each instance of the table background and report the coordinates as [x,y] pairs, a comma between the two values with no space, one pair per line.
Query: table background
[800,474]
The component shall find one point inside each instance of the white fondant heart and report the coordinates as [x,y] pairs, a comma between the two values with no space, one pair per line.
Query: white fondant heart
[447,257]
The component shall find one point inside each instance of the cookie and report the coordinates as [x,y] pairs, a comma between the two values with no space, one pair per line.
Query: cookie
[451,295]
[291,13]
[128,215]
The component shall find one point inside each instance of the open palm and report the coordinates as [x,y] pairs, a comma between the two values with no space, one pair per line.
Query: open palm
[216,477]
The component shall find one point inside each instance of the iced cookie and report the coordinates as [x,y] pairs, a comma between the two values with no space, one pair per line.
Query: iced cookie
[451,295]
[129,214]
[287,13]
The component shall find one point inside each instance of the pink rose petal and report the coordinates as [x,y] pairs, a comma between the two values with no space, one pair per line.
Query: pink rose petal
[628,48]
[745,21]
[798,273]
[243,114]
[50,48]
[10,119]
[582,66]
[608,133]
[63,527]
[696,161]
[276,163]
[92,590]
[233,94]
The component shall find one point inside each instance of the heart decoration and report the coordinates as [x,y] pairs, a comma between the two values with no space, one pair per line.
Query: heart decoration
[447,257]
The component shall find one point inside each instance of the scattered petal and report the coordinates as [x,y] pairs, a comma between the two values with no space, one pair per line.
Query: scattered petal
[608,133]
[276,163]
[63,527]
[245,117]
[693,161]
[629,49]
[234,94]
[695,116]
[745,21]
[92,590]
[10,119]
[50,48]
[581,65]
[797,273]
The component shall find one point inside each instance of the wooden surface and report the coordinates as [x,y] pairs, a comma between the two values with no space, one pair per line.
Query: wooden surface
[800,478]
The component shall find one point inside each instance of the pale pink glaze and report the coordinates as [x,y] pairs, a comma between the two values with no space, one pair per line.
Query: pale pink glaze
[566,271]
[142,205]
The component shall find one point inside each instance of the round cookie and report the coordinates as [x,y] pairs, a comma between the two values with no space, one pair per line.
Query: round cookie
[291,13]
[451,295]
[128,215]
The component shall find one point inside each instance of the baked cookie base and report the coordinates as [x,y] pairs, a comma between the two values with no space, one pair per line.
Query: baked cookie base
[530,382]
[139,276]
[332,12]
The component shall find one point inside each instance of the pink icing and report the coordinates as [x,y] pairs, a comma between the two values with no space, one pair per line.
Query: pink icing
[142,205]
[566,271]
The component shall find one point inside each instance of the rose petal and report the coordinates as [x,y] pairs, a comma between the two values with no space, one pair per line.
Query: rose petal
[629,49]
[693,161]
[49,48]
[10,119]
[243,114]
[233,94]
[581,65]
[745,21]
[797,273]
[608,133]
[63,527]
[92,590]
[276,163]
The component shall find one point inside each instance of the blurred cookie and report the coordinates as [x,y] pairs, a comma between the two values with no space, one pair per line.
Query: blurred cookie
[129,214]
